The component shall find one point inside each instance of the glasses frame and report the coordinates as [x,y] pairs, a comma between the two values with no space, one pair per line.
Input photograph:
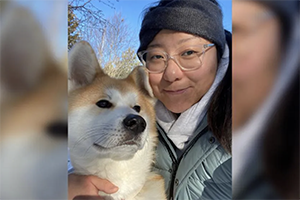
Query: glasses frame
[255,25]
[168,57]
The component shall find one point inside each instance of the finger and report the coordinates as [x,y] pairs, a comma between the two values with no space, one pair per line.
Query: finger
[103,185]
[80,185]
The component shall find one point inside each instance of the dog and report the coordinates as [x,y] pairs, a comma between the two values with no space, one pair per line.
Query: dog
[112,131]
[33,102]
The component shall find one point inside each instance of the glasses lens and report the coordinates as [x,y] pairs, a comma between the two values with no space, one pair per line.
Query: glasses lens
[190,59]
[155,60]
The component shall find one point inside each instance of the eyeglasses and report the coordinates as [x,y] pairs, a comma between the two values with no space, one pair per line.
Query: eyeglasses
[156,61]
[242,33]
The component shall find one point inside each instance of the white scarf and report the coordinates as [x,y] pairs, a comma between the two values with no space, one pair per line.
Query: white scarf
[180,129]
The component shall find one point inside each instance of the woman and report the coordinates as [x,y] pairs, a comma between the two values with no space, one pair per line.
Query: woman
[187,53]
[266,99]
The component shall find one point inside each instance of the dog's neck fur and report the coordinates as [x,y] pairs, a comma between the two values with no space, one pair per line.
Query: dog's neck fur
[121,173]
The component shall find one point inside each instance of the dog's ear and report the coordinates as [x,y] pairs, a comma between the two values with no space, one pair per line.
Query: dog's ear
[24,51]
[83,65]
[141,78]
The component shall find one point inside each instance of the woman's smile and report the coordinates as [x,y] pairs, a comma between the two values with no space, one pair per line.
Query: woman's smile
[176,91]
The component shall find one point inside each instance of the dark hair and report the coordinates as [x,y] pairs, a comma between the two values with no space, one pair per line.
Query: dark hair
[281,144]
[281,137]
[220,108]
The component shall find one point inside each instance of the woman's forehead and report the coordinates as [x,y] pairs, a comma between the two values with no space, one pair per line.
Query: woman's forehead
[174,39]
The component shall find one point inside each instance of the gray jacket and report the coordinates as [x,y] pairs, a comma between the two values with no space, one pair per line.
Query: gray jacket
[201,171]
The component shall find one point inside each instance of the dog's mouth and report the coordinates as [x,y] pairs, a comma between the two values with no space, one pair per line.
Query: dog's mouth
[131,142]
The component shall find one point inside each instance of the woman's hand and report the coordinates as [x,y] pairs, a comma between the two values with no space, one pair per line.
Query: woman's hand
[87,187]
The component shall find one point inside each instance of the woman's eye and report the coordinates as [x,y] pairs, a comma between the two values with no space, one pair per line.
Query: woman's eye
[188,53]
[156,57]
[104,104]
[137,108]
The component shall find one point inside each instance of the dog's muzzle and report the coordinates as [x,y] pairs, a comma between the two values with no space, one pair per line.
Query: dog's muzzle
[135,124]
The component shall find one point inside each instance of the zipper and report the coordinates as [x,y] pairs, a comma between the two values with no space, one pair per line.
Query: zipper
[193,142]
[176,162]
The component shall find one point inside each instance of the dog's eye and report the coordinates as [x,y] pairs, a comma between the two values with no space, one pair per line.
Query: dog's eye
[137,108]
[104,104]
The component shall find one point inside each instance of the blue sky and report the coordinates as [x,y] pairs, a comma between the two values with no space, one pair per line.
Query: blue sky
[53,15]
[131,11]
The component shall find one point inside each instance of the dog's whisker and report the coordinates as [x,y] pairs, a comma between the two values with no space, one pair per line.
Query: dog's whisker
[91,130]
[100,139]
[97,141]
[91,133]
[111,141]
[87,150]
[84,137]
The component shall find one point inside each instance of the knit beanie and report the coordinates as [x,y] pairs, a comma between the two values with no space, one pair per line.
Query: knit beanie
[285,11]
[198,17]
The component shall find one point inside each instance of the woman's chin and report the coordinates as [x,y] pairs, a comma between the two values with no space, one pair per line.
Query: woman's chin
[177,107]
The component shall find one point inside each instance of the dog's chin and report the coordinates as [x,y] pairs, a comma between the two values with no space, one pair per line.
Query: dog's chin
[123,151]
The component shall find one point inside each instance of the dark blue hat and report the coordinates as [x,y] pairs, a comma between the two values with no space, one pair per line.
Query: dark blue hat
[198,17]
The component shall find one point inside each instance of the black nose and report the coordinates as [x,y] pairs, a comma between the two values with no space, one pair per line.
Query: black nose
[134,123]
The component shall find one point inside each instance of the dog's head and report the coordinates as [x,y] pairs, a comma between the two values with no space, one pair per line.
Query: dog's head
[108,118]
[33,101]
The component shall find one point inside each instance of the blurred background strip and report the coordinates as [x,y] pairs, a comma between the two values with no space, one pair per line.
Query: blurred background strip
[33,99]
[265,82]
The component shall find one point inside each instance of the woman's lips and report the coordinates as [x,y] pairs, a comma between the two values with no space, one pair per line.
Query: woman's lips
[176,91]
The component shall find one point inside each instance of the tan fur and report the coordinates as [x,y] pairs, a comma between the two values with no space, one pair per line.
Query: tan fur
[33,97]
[93,92]
[132,173]
[37,108]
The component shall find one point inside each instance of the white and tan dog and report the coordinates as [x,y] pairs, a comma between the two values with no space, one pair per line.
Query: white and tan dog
[33,105]
[112,131]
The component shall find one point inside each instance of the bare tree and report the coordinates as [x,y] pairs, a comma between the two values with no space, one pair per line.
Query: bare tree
[114,46]
[123,65]
[111,38]
[115,39]
[89,13]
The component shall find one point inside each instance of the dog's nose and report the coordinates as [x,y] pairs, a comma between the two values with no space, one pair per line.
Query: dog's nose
[134,123]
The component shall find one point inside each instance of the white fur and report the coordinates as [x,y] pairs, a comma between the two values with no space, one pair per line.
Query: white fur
[128,174]
[32,162]
[126,166]
[128,99]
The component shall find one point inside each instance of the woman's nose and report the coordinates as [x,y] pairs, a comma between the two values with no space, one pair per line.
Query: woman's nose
[173,71]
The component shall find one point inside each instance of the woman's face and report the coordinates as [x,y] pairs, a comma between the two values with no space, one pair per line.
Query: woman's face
[256,54]
[178,90]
